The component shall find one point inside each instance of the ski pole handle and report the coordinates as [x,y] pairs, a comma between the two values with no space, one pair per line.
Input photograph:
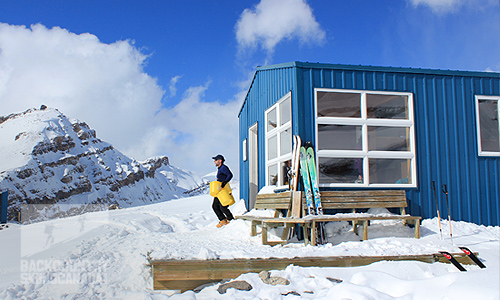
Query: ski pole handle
[444,188]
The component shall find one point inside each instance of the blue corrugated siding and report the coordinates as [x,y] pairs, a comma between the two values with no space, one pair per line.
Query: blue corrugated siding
[267,88]
[445,128]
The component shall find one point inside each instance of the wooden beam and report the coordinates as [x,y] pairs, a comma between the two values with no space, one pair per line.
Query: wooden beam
[188,274]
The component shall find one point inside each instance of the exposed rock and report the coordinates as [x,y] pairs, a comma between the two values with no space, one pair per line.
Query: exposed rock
[129,180]
[334,280]
[66,179]
[83,131]
[154,164]
[23,174]
[19,135]
[71,160]
[237,284]
[205,285]
[59,143]
[272,280]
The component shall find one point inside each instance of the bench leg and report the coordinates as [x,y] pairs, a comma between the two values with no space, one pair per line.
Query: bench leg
[306,228]
[264,234]
[417,228]
[253,228]
[286,231]
[312,229]
[365,230]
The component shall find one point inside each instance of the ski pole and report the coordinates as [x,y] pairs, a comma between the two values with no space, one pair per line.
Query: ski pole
[437,206]
[445,190]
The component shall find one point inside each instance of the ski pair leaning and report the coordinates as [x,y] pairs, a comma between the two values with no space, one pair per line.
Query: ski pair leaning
[311,188]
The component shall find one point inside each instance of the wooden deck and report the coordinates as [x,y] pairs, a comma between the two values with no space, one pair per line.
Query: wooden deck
[186,275]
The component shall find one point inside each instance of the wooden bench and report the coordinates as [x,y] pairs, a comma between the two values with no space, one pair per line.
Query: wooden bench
[279,203]
[330,200]
[356,200]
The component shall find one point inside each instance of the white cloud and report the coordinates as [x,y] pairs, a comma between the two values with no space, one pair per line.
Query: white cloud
[105,86]
[447,6]
[172,86]
[102,84]
[272,21]
[194,131]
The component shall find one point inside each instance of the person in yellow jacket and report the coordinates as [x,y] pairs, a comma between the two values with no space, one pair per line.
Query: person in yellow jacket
[224,175]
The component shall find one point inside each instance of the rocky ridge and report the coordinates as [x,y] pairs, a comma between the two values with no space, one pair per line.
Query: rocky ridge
[53,166]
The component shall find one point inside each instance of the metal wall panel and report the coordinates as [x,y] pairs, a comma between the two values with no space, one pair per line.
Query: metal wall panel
[446,138]
[268,86]
[445,127]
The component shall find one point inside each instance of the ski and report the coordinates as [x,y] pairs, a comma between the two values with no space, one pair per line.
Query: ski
[311,165]
[473,257]
[294,171]
[307,183]
[451,259]
[293,182]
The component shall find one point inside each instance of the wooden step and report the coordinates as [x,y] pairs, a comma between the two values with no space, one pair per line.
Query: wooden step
[186,275]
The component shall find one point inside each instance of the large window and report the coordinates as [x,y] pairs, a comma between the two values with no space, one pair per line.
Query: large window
[365,138]
[279,141]
[488,126]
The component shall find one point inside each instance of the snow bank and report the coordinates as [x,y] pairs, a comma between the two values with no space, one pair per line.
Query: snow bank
[104,255]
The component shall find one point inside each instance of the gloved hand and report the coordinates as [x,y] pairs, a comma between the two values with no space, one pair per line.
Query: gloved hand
[223,184]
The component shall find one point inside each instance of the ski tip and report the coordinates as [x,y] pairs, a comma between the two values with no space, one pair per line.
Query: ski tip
[465,250]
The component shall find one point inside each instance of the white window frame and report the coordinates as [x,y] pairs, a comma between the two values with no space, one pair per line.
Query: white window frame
[478,124]
[366,154]
[277,132]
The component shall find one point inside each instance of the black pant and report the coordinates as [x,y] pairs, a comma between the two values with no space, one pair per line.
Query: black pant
[222,212]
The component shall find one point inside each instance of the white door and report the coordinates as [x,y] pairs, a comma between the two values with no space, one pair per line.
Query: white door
[253,165]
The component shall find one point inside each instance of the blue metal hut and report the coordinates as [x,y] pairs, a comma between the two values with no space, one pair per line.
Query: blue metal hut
[379,128]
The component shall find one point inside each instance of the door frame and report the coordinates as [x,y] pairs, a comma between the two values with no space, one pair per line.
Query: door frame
[253,164]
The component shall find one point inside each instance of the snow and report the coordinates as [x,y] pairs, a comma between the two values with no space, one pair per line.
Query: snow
[46,158]
[31,130]
[104,255]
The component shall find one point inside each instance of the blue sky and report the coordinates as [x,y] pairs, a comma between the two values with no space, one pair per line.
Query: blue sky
[168,77]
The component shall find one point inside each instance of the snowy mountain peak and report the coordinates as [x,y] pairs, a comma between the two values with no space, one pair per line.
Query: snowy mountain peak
[36,132]
[47,158]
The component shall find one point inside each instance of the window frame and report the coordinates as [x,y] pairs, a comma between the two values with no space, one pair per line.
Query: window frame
[365,153]
[280,128]
[478,125]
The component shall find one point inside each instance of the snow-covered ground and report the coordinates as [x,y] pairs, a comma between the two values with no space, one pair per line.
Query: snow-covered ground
[103,255]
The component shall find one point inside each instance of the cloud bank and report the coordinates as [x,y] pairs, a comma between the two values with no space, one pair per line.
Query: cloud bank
[198,130]
[105,85]
[448,6]
[272,21]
